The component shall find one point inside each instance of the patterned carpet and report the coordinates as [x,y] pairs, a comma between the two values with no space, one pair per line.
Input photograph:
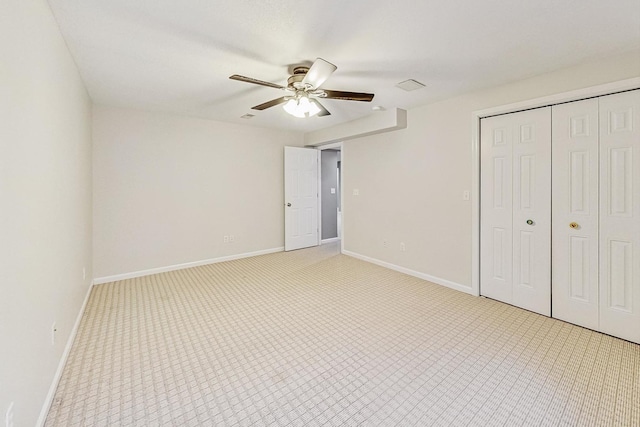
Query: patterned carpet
[315,338]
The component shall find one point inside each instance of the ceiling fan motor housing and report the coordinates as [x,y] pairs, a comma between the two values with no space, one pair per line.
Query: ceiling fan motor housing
[295,81]
[301,69]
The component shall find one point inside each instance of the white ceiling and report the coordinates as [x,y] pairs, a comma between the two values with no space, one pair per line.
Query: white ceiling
[176,56]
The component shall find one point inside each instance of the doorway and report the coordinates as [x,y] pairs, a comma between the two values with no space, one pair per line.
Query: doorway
[330,193]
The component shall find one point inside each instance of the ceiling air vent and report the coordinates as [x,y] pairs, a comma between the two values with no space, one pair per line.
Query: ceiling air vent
[247,116]
[410,85]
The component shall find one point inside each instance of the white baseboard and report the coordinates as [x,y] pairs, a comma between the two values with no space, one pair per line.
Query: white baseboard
[124,276]
[63,361]
[331,240]
[424,276]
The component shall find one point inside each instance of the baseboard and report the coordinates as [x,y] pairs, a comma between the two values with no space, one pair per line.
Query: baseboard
[331,240]
[63,361]
[424,276]
[124,276]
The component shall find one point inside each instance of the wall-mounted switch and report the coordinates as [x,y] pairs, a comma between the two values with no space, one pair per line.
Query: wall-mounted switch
[333,191]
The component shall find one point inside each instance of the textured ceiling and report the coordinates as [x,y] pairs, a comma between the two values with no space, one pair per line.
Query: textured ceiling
[176,56]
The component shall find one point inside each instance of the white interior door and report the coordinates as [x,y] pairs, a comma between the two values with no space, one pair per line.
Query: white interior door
[516,209]
[620,215]
[574,233]
[300,197]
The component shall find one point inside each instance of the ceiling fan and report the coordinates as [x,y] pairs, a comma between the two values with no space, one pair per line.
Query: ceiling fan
[304,86]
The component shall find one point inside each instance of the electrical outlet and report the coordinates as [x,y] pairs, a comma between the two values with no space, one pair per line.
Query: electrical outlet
[356,192]
[465,195]
[231,238]
[226,239]
[385,244]
[8,418]
[54,330]
[403,248]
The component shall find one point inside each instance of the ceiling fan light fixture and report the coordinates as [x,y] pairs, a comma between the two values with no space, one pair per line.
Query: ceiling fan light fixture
[301,107]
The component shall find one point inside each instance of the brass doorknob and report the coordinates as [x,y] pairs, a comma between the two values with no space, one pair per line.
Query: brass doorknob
[574,225]
[530,221]
[288,205]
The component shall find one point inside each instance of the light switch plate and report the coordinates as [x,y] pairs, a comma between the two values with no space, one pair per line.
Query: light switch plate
[333,191]
[356,192]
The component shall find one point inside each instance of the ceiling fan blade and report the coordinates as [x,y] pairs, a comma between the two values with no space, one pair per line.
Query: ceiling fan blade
[349,96]
[318,73]
[255,81]
[270,104]
[323,111]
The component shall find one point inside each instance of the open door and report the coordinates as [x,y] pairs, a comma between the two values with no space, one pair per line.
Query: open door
[300,197]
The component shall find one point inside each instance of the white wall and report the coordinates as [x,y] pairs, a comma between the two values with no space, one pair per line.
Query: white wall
[411,181]
[167,189]
[45,203]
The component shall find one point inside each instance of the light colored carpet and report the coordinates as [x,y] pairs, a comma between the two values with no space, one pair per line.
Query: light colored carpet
[315,338]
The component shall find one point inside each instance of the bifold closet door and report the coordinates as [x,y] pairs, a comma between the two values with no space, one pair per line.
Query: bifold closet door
[575,212]
[620,215]
[596,214]
[515,211]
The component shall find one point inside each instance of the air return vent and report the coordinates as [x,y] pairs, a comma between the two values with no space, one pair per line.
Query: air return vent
[410,85]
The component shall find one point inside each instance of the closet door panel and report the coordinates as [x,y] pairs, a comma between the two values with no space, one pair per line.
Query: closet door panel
[532,210]
[575,212]
[620,215]
[515,209]
[496,240]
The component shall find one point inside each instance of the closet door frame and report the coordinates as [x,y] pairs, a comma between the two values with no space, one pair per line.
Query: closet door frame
[576,95]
